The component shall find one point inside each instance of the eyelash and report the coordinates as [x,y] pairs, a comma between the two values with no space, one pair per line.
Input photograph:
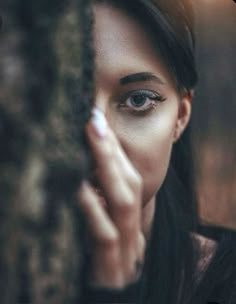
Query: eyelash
[154,97]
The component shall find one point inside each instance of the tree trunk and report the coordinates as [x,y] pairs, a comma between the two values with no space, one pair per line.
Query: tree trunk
[46,89]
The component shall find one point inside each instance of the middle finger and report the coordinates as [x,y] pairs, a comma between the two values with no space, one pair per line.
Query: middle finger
[113,171]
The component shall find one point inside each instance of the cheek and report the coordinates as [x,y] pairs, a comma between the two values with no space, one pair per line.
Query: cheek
[148,144]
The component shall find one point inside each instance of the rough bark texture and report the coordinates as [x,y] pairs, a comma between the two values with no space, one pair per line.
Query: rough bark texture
[46,88]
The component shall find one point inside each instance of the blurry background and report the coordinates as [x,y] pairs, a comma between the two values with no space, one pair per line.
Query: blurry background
[214,112]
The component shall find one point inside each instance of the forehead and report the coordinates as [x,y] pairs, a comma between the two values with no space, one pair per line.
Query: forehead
[122,45]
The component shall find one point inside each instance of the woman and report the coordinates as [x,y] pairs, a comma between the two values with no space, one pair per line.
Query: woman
[139,214]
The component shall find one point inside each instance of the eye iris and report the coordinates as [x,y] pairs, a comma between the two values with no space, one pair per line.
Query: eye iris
[138,100]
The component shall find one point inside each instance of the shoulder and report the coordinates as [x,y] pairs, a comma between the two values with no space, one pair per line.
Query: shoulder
[216,268]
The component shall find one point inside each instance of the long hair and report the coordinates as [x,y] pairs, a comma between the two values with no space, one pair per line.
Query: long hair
[171,266]
[172,255]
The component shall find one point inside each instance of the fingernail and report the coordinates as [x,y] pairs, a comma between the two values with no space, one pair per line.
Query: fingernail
[99,122]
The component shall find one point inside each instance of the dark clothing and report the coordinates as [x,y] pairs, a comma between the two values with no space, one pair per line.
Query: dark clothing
[108,296]
[217,285]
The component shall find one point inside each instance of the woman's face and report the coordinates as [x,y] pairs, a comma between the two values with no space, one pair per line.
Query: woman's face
[138,96]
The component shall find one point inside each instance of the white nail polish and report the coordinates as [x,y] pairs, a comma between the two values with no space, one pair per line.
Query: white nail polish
[99,122]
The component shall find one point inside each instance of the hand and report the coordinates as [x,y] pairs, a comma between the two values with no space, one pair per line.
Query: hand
[118,244]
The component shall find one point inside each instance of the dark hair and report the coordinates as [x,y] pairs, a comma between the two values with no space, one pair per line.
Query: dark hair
[170,271]
[170,26]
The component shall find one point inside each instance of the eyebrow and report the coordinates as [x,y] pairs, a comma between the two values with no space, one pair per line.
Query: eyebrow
[138,77]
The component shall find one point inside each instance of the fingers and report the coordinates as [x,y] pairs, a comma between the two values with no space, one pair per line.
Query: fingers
[115,230]
[114,261]
[105,258]
[99,224]
[133,255]
[108,145]
[119,181]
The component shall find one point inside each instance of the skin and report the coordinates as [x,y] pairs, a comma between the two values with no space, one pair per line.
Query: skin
[142,120]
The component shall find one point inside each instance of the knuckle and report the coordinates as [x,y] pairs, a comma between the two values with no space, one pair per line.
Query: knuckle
[130,269]
[111,240]
[142,247]
[136,181]
[128,203]
[108,151]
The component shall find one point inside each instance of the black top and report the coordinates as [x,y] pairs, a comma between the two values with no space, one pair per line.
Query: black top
[109,295]
[224,291]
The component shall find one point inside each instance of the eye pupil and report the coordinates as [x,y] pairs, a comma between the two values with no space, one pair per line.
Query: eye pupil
[138,100]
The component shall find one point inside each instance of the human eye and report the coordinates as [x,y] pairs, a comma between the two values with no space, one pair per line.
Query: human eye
[140,101]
